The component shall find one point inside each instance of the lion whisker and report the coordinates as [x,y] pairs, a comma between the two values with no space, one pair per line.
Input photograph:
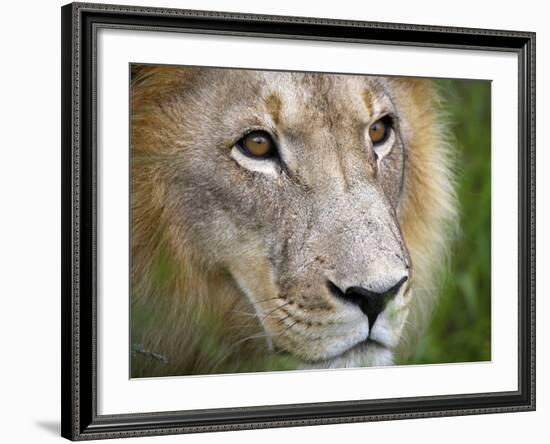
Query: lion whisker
[265,315]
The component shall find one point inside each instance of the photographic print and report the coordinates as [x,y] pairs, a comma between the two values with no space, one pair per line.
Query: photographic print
[274,221]
[287,220]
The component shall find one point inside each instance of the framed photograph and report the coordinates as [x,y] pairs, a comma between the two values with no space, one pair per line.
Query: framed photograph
[280,221]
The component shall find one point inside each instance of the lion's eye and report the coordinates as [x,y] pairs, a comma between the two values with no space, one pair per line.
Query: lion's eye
[257,144]
[379,131]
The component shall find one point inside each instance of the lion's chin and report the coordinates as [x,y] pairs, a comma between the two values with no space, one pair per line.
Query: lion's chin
[364,354]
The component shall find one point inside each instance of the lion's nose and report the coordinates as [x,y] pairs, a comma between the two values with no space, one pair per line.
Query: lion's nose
[372,303]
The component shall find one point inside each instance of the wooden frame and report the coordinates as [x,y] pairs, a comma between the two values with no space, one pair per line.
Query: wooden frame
[79,396]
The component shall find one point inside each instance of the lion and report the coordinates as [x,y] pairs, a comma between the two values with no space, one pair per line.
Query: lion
[284,220]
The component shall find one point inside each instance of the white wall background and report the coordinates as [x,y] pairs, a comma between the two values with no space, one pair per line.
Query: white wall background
[30,220]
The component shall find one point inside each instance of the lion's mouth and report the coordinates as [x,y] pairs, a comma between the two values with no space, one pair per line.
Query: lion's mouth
[345,342]
[366,353]
[376,348]
[364,346]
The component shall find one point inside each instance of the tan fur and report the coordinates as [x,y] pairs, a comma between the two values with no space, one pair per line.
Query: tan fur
[205,292]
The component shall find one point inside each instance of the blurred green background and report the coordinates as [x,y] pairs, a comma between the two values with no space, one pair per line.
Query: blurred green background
[460,330]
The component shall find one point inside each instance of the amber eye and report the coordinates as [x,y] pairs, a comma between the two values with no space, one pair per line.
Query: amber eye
[257,144]
[380,130]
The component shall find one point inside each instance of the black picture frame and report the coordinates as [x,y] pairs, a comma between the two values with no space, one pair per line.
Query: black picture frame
[78,334]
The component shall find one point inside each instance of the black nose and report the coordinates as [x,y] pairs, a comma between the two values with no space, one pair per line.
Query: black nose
[372,303]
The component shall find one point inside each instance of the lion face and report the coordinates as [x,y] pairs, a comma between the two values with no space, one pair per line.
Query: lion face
[292,183]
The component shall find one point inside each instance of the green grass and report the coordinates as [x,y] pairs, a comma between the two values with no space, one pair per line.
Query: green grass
[461,327]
